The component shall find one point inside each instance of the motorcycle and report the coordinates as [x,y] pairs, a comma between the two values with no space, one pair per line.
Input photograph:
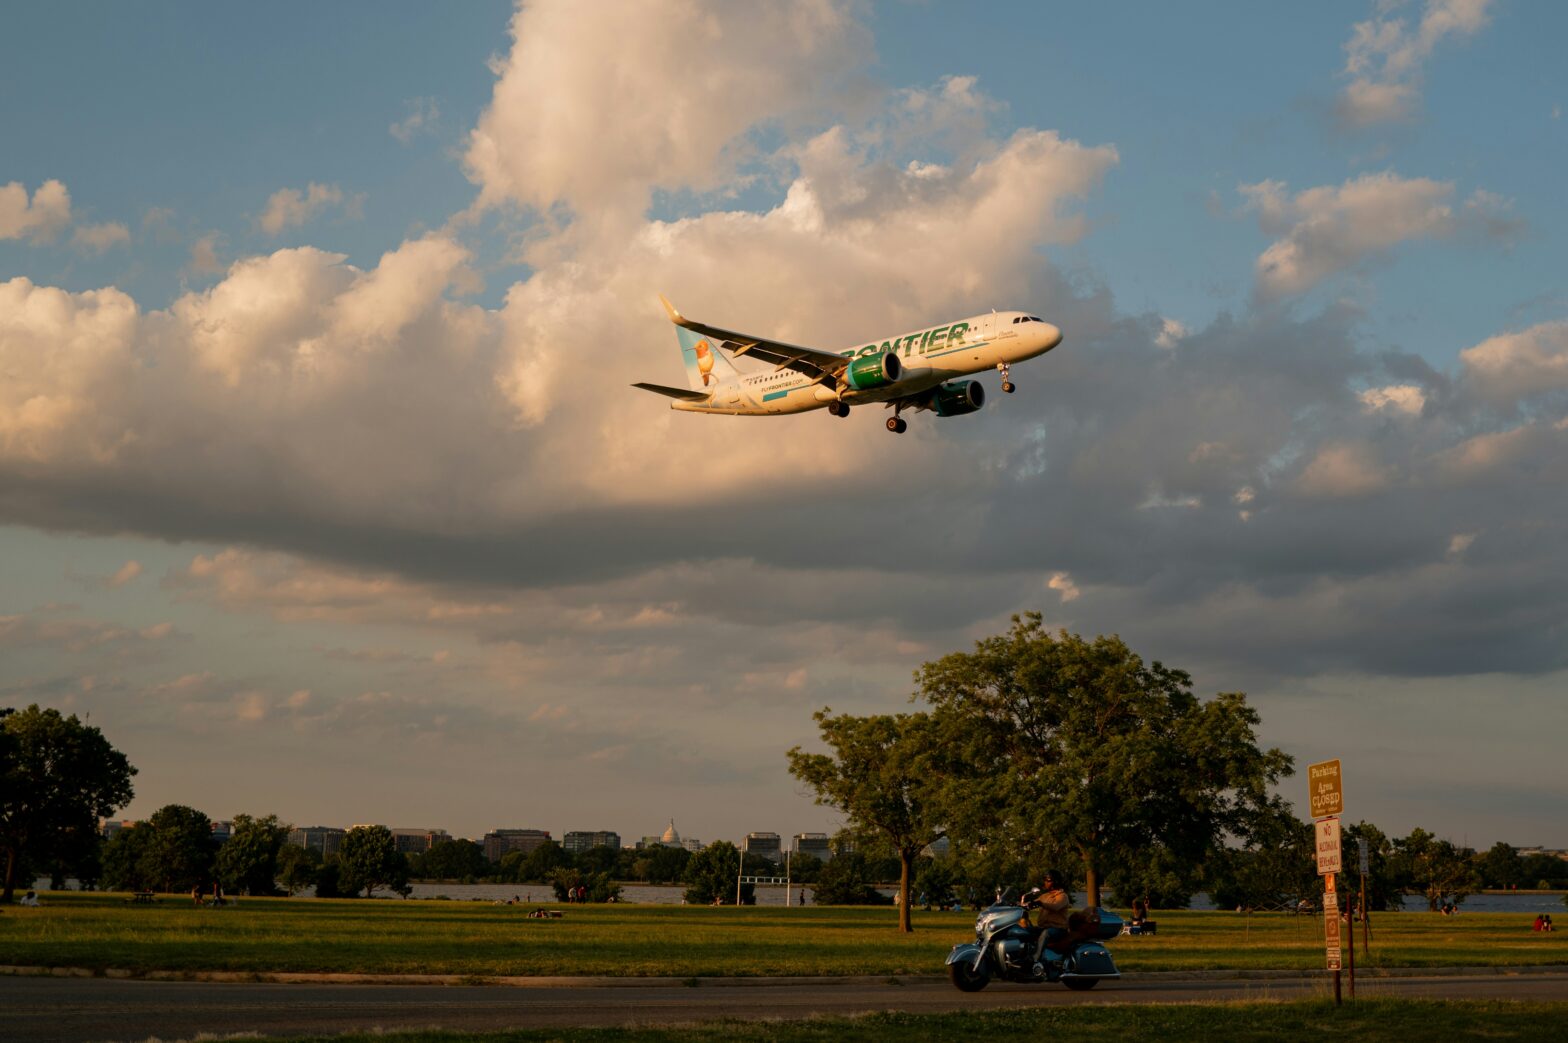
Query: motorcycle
[1004,948]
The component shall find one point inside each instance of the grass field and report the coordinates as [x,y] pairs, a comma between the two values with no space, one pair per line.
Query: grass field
[101,931]
[1376,1020]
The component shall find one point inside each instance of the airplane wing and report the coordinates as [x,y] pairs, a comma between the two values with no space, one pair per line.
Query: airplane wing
[812,362]
[680,393]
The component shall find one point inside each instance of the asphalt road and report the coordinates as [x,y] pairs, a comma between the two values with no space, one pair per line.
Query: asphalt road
[67,1010]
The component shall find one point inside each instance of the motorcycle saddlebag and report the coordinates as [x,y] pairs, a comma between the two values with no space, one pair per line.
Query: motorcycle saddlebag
[1093,961]
[1110,925]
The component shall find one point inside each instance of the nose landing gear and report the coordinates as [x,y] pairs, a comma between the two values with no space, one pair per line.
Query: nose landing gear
[1007,385]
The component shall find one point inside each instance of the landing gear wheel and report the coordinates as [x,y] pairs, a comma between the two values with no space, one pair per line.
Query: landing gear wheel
[838,409]
[1009,387]
[897,425]
[966,978]
[843,409]
[1080,984]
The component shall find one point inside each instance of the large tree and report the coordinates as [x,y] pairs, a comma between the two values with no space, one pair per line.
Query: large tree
[369,859]
[1079,751]
[58,776]
[885,773]
[248,860]
[1437,869]
[180,850]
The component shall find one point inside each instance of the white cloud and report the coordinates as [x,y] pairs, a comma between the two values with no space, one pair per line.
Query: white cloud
[288,207]
[1171,333]
[1385,56]
[1512,366]
[100,238]
[61,355]
[1395,398]
[1328,229]
[598,104]
[39,220]
[421,118]
[1063,584]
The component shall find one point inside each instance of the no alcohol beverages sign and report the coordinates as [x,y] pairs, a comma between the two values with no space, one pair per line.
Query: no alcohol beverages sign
[1324,795]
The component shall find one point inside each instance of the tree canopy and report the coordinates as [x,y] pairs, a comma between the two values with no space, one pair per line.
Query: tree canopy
[248,860]
[885,774]
[369,859]
[1081,753]
[58,776]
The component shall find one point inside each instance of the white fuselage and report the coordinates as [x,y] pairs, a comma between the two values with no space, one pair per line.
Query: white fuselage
[929,357]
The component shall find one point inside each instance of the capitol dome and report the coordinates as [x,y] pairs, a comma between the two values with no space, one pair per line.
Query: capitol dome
[672,838]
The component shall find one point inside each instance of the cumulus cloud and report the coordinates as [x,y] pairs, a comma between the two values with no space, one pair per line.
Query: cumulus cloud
[1385,56]
[1512,366]
[559,128]
[289,207]
[1328,229]
[376,450]
[38,220]
[100,238]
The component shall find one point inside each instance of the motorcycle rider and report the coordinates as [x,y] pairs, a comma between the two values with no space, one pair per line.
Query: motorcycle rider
[1053,901]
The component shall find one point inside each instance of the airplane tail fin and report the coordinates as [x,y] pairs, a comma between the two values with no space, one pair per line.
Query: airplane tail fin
[706,365]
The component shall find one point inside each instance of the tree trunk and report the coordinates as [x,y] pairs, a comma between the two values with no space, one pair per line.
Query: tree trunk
[904,925]
[10,877]
[1091,881]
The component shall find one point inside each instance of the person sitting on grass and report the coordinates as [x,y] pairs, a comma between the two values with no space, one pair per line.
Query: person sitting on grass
[30,899]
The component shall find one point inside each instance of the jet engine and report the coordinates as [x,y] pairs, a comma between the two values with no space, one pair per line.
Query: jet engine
[958,398]
[874,371]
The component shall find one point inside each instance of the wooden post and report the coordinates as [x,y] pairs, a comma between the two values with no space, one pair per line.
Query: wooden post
[1331,931]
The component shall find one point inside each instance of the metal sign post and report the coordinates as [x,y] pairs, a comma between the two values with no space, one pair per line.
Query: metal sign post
[1326,798]
[1366,913]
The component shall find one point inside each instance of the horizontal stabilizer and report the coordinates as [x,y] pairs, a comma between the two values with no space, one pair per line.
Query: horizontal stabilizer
[680,393]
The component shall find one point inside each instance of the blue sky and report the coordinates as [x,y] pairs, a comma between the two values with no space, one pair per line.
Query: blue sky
[345,295]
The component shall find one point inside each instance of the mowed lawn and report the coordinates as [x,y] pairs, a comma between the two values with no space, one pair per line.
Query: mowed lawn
[103,931]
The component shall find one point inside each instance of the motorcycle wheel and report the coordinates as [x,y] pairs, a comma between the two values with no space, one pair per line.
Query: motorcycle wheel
[967,978]
[1080,984]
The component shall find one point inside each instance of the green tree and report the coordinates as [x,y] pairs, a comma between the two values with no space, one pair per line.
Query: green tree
[804,868]
[1384,890]
[1436,869]
[885,775]
[58,776]
[180,851]
[369,859]
[1080,752]
[711,875]
[248,861]
[1277,868]
[541,863]
[450,860]
[126,865]
[1501,866]
[847,880]
[1544,871]
[297,867]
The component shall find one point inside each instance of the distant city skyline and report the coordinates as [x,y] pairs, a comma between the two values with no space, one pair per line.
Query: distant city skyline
[324,491]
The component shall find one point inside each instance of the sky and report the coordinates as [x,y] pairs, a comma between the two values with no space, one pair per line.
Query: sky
[323,491]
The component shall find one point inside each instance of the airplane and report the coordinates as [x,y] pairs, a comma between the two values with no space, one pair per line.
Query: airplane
[910,371]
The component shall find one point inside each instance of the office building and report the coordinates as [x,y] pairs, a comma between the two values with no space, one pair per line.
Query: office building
[814,844]
[767,845]
[325,839]
[577,841]
[498,843]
